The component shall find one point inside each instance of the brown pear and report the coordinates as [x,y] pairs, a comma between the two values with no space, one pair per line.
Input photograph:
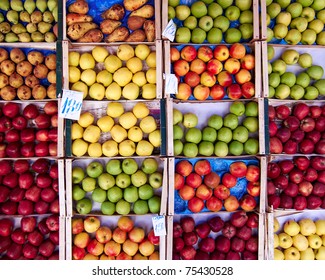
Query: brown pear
[40,71]
[39,92]
[7,67]
[50,61]
[51,76]
[24,68]
[15,80]
[4,80]
[17,55]
[3,54]
[8,93]
[24,92]
[51,91]
[31,81]
[35,57]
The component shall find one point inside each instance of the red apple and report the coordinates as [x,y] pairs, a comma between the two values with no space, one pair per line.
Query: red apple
[273,170]
[292,189]
[4,193]
[273,200]
[10,180]
[211,180]
[207,244]
[234,91]
[306,146]
[202,230]
[253,188]
[228,230]
[19,122]
[13,150]
[203,192]
[300,110]
[270,187]
[290,147]
[178,244]
[33,193]
[276,146]
[27,149]
[282,112]
[248,90]
[217,92]
[299,202]
[195,204]
[42,149]
[193,180]
[35,237]
[314,136]
[273,128]
[214,66]
[192,79]
[179,181]
[271,112]
[216,223]
[198,66]
[302,162]
[46,248]
[221,52]
[292,123]
[190,238]
[221,192]
[320,147]
[202,167]
[27,135]
[248,62]
[51,107]
[310,174]
[188,253]
[30,111]
[187,223]
[318,163]
[214,204]
[43,180]
[30,251]
[42,135]
[17,194]
[286,201]
[305,188]
[239,218]
[252,220]
[237,244]
[5,167]
[222,244]
[205,53]
[313,202]
[5,124]
[253,173]
[177,230]
[184,167]
[286,166]
[21,166]
[9,207]
[315,111]
[224,79]
[298,135]
[248,202]
[181,67]
[283,133]
[307,124]
[12,135]
[229,180]
[11,109]
[25,207]
[174,54]
[6,227]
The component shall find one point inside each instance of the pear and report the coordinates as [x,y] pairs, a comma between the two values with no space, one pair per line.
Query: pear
[11,37]
[5,27]
[50,37]
[2,17]
[18,28]
[24,37]
[97,91]
[37,36]
[51,4]
[82,87]
[99,53]
[87,61]
[17,5]
[79,147]
[112,63]
[139,78]
[55,14]
[104,77]
[29,6]
[113,91]
[125,52]
[48,17]
[110,148]
[149,91]
[2,37]
[41,5]
[31,27]
[44,27]
[36,17]
[122,76]
[4,5]
[24,16]
[13,16]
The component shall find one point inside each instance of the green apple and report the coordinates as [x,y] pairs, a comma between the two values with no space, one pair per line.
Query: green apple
[222,23]
[173,3]
[114,167]
[114,194]
[240,134]
[177,116]
[251,123]
[236,148]
[198,35]
[271,92]
[274,79]
[221,149]
[130,194]
[214,36]
[190,120]
[282,91]
[232,13]
[283,3]
[251,109]
[305,3]
[199,9]
[308,37]
[193,135]
[321,15]
[206,148]
[269,34]
[209,134]
[225,3]
[206,23]
[190,150]
[246,30]
[318,5]
[290,56]
[303,79]
[299,23]
[269,68]
[145,192]
[280,31]
[94,169]
[183,35]
[321,39]
[129,166]
[297,92]
[139,178]
[237,108]
[190,22]
[315,72]
[149,165]
[305,60]
[154,204]
[106,181]
[207,1]
[140,207]
[251,146]
[311,92]
[123,180]
[88,184]
[182,12]
[317,25]
[268,20]
[230,120]
[178,147]
[308,13]
[177,132]
[215,121]
[214,10]
[284,18]
[279,66]
[107,208]
[273,10]
[246,17]
[288,78]
[122,207]
[84,206]
[224,134]
[268,2]
[98,195]
[243,5]
[77,192]
[171,13]
[232,35]
[77,174]
[295,9]
[155,180]
[320,85]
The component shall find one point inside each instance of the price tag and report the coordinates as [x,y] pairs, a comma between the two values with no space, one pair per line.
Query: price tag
[71,104]
[170,31]
[171,83]
[159,227]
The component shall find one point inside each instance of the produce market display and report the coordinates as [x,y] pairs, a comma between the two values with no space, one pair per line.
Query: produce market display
[200,134]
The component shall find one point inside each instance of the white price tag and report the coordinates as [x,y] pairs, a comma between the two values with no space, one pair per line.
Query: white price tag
[158,223]
[171,83]
[170,31]
[71,104]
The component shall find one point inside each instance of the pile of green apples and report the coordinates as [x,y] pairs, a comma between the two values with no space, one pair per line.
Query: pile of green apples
[118,186]
[307,83]
[230,134]
[230,21]
[296,22]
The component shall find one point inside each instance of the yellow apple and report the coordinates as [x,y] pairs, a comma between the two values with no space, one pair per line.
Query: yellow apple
[276,225]
[74,74]
[126,148]
[291,253]
[90,257]
[320,227]
[122,76]
[125,52]
[104,77]
[127,120]
[139,257]
[154,256]
[151,59]
[148,124]
[155,138]
[140,110]
[99,53]
[112,63]
[144,148]
[278,255]
[76,131]
[86,119]
[146,248]
[275,240]
[134,64]
[300,242]
[113,92]
[149,91]
[135,134]
[86,61]
[307,226]
[95,150]
[291,227]
[308,254]
[139,78]
[151,75]
[97,91]
[82,87]
[105,123]
[323,239]
[131,91]
[79,147]
[285,240]
[110,148]
[114,109]
[320,253]
[74,58]
[91,133]
[118,133]
[81,239]
[130,247]
[315,241]
[88,76]
[142,51]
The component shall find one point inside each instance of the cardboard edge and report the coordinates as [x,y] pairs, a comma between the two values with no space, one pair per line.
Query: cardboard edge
[164,11]
[158,16]
[61,133]
[261,236]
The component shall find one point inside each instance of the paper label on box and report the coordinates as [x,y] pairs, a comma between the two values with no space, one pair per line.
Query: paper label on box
[170,31]
[158,223]
[71,104]
[171,83]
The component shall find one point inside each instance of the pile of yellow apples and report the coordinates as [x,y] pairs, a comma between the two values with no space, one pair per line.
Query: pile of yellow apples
[129,133]
[299,240]
[91,240]
[129,73]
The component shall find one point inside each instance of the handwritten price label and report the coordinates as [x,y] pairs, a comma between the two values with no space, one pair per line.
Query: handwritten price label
[170,31]
[71,104]
[158,223]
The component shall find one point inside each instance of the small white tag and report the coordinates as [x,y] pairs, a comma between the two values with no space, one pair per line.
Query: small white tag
[171,84]
[170,31]
[159,227]
[71,104]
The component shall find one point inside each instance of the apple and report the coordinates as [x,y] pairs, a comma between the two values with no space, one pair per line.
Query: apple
[217,92]
[248,202]
[224,79]
[222,244]
[192,79]
[187,224]
[46,248]
[181,67]
[231,203]
[202,230]
[214,66]
[188,53]
[214,204]
[198,66]
[211,180]
[234,91]
[6,227]
[195,204]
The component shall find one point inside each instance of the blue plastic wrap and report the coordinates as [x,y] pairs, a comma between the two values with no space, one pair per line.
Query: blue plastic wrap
[220,166]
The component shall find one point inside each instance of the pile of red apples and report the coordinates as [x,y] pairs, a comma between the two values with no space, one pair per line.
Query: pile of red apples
[29,187]
[216,238]
[30,238]
[298,129]
[28,131]
[296,183]
[204,190]
[213,72]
